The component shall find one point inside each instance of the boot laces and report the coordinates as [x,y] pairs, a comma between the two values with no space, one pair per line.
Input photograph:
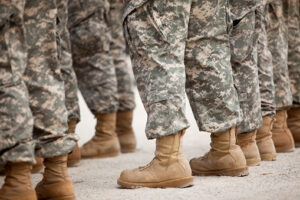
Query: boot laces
[148,165]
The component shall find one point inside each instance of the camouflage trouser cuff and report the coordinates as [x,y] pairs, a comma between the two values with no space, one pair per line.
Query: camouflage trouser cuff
[74,118]
[296,104]
[22,152]
[56,146]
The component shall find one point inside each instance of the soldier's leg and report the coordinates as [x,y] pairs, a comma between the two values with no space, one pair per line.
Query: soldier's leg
[210,88]
[94,66]
[69,77]
[245,73]
[267,89]
[16,121]
[156,33]
[294,68]
[277,32]
[47,97]
[125,83]
[44,81]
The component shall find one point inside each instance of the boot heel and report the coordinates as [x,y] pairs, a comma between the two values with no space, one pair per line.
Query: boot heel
[236,172]
[129,148]
[231,172]
[179,183]
[268,157]
[253,162]
[64,198]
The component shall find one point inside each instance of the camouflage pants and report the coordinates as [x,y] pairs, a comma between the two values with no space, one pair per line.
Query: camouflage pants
[177,46]
[245,72]
[67,70]
[44,79]
[277,33]
[16,121]
[98,49]
[294,50]
[265,66]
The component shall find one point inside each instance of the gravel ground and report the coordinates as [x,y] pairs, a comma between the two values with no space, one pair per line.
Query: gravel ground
[96,179]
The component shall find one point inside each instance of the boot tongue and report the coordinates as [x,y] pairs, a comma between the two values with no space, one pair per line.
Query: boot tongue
[168,148]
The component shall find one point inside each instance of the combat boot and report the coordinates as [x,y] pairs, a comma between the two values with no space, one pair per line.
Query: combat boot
[248,145]
[125,131]
[282,136]
[35,168]
[224,158]
[38,166]
[17,184]
[264,140]
[294,124]
[75,156]
[56,183]
[169,168]
[105,143]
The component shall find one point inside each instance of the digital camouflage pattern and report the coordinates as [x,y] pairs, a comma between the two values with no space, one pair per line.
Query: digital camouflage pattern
[265,66]
[44,78]
[245,72]
[98,50]
[65,60]
[16,122]
[117,50]
[294,49]
[277,33]
[170,40]
[239,9]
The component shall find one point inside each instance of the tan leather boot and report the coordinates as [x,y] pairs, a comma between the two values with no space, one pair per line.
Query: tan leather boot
[17,183]
[35,168]
[294,124]
[105,143]
[224,158]
[282,136]
[264,140]
[56,183]
[169,168]
[125,131]
[75,156]
[248,145]
[2,171]
[38,166]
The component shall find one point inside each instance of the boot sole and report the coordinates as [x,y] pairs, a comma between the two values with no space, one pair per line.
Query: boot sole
[284,149]
[72,197]
[230,172]
[268,157]
[107,155]
[175,183]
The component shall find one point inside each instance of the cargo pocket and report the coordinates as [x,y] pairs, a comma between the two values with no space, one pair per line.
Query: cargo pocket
[6,71]
[242,37]
[92,34]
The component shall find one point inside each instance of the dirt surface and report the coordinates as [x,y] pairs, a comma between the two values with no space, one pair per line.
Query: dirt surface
[97,179]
